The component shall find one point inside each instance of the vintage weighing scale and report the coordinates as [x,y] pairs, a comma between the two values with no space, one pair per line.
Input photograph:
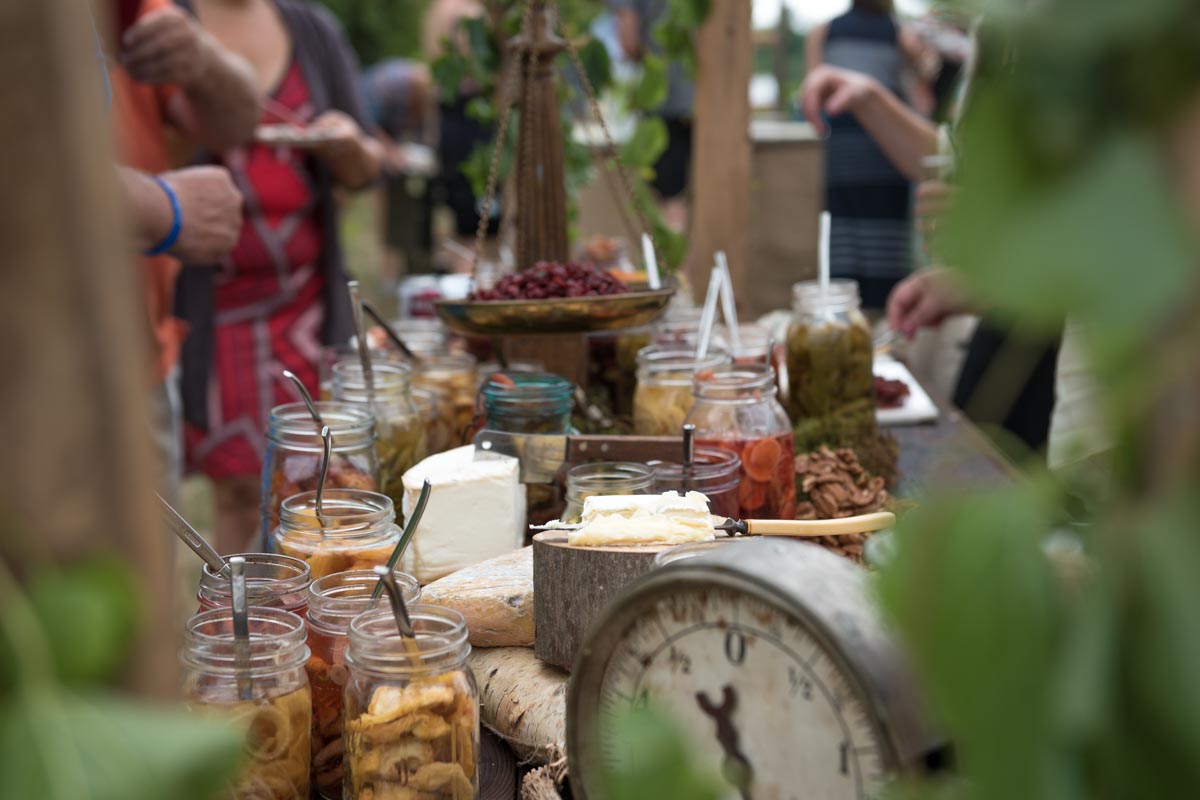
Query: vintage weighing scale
[770,655]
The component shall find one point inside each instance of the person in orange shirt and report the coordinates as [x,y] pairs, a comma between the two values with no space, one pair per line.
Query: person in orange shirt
[172,82]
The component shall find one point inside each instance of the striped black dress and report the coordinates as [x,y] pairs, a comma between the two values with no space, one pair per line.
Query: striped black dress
[868,199]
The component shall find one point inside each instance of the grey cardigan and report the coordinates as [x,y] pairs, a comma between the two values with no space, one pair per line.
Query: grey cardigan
[331,71]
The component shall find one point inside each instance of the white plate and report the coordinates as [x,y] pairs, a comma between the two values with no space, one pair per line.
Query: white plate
[916,408]
[289,134]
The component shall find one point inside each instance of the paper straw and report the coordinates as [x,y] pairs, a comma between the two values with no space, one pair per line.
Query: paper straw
[823,255]
[728,305]
[651,260]
[708,316]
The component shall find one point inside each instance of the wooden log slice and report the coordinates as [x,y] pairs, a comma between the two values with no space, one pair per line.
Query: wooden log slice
[572,585]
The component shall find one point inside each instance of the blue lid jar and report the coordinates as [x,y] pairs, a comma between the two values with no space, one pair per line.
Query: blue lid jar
[528,402]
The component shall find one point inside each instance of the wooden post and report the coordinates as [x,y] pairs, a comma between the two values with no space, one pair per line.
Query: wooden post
[721,154]
[76,477]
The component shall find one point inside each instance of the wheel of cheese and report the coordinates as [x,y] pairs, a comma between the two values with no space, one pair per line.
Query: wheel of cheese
[496,597]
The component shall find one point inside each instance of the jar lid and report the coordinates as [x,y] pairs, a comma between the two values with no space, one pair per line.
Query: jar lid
[277,642]
[348,422]
[375,643]
[842,295]
[737,383]
[269,578]
[335,600]
[347,512]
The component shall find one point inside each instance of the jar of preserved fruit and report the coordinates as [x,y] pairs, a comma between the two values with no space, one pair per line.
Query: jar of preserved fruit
[269,702]
[453,378]
[292,463]
[333,602]
[715,473]
[612,364]
[736,409]
[272,581]
[528,402]
[605,477]
[829,354]
[412,708]
[678,327]
[663,396]
[400,433]
[356,530]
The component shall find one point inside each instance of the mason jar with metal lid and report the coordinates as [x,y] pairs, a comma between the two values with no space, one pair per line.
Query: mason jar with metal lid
[265,695]
[663,396]
[355,530]
[412,706]
[272,581]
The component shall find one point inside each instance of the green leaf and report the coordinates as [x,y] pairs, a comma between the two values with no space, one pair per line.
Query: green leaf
[449,71]
[651,91]
[596,65]
[655,761]
[57,746]
[647,143]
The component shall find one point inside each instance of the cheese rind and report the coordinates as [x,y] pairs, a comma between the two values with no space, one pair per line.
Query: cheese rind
[476,511]
[669,518]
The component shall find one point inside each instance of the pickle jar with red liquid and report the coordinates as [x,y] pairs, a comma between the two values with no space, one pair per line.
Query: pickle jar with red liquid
[272,581]
[333,602]
[736,409]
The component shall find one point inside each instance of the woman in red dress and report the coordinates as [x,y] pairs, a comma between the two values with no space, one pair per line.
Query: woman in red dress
[281,294]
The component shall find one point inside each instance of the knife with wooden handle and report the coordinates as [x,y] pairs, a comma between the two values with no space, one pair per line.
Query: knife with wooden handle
[862,523]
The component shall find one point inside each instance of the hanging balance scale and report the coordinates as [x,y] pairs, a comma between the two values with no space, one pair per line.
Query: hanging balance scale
[772,660]
[538,214]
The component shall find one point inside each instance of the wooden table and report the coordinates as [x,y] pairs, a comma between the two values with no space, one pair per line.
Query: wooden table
[950,452]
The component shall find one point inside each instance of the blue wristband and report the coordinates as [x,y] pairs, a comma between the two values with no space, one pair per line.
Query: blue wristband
[176,223]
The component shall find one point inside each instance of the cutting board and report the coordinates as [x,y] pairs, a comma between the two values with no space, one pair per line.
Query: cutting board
[917,406]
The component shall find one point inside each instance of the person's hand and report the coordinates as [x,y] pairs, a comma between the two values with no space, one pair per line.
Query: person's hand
[833,91]
[933,199]
[212,213]
[339,134]
[166,46]
[923,300]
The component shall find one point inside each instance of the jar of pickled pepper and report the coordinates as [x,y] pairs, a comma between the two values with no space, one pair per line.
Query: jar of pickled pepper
[604,478]
[268,700]
[663,396]
[333,602]
[715,472]
[453,377]
[355,531]
[292,463]
[400,432]
[272,581]
[412,708]
[736,409]
[829,355]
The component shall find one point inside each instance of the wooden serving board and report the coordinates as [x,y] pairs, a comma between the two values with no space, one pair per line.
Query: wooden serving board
[572,585]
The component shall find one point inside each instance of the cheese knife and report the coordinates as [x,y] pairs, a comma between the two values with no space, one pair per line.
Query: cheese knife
[543,455]
[862,523]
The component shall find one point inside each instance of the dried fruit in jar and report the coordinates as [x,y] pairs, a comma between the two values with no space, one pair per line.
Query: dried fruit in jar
[299,472]
[661,410]
[768,488]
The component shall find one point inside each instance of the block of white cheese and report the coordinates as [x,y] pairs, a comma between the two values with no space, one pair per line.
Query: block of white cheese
[495,596]
[667,518]
[476,511]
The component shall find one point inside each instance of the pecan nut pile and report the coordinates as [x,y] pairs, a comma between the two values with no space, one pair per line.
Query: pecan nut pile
[837,486]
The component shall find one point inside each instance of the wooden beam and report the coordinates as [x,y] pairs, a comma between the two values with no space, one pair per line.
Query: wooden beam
[720,218]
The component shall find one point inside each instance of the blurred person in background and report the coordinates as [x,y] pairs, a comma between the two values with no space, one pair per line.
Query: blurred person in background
[673,170]
[868,198]
[170,78]
[281,294]
[398,96]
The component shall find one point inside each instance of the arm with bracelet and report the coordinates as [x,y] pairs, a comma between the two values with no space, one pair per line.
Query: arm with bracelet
[195,213]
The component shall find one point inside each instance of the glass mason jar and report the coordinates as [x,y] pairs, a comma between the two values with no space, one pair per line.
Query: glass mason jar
[754,345]
[359,533]
[612,364]
[679,327]
[334,601]
[401,440]
[412,707]
[663,396]
[715,473]
[829,354]
[528,402]
[736,409]
[292,463]
[425,337]
[437,429]
[272,581]
[269,701]
[453,378]
[605,477]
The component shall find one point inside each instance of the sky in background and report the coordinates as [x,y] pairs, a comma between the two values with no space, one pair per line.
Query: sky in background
[807,13]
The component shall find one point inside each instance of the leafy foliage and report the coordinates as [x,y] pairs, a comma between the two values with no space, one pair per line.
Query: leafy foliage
[380,29]
[657,761]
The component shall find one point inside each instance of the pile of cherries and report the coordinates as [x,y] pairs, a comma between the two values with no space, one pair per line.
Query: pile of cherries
[545,280]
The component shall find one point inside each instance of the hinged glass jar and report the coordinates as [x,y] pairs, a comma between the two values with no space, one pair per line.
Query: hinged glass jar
[400,432]
[829,354]
[736,409]
[292,463]
[269,701]
[528,402]
[272,581]
[359,530]
[663,396]
[453,377]
[605,477]
[412,707]
[715,473]
[334,601]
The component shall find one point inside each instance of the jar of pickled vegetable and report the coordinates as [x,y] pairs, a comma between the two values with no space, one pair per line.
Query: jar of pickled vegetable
[268,700]
[736,409]
[400,434]
[605,477]
[829,354]
[272,581]
[528,402]
[333,602]
[663,396]
[356,530]
[412,708]
[453,377]
[292,463]
[715,473]
[437,429]
[612,364]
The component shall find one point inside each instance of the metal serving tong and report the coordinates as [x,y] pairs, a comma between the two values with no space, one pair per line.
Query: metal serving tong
[862,523]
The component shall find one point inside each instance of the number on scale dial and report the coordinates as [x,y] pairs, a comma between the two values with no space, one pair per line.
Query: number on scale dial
[756,693]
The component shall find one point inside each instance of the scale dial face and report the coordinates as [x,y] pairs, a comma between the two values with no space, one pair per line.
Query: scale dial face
[758,692]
